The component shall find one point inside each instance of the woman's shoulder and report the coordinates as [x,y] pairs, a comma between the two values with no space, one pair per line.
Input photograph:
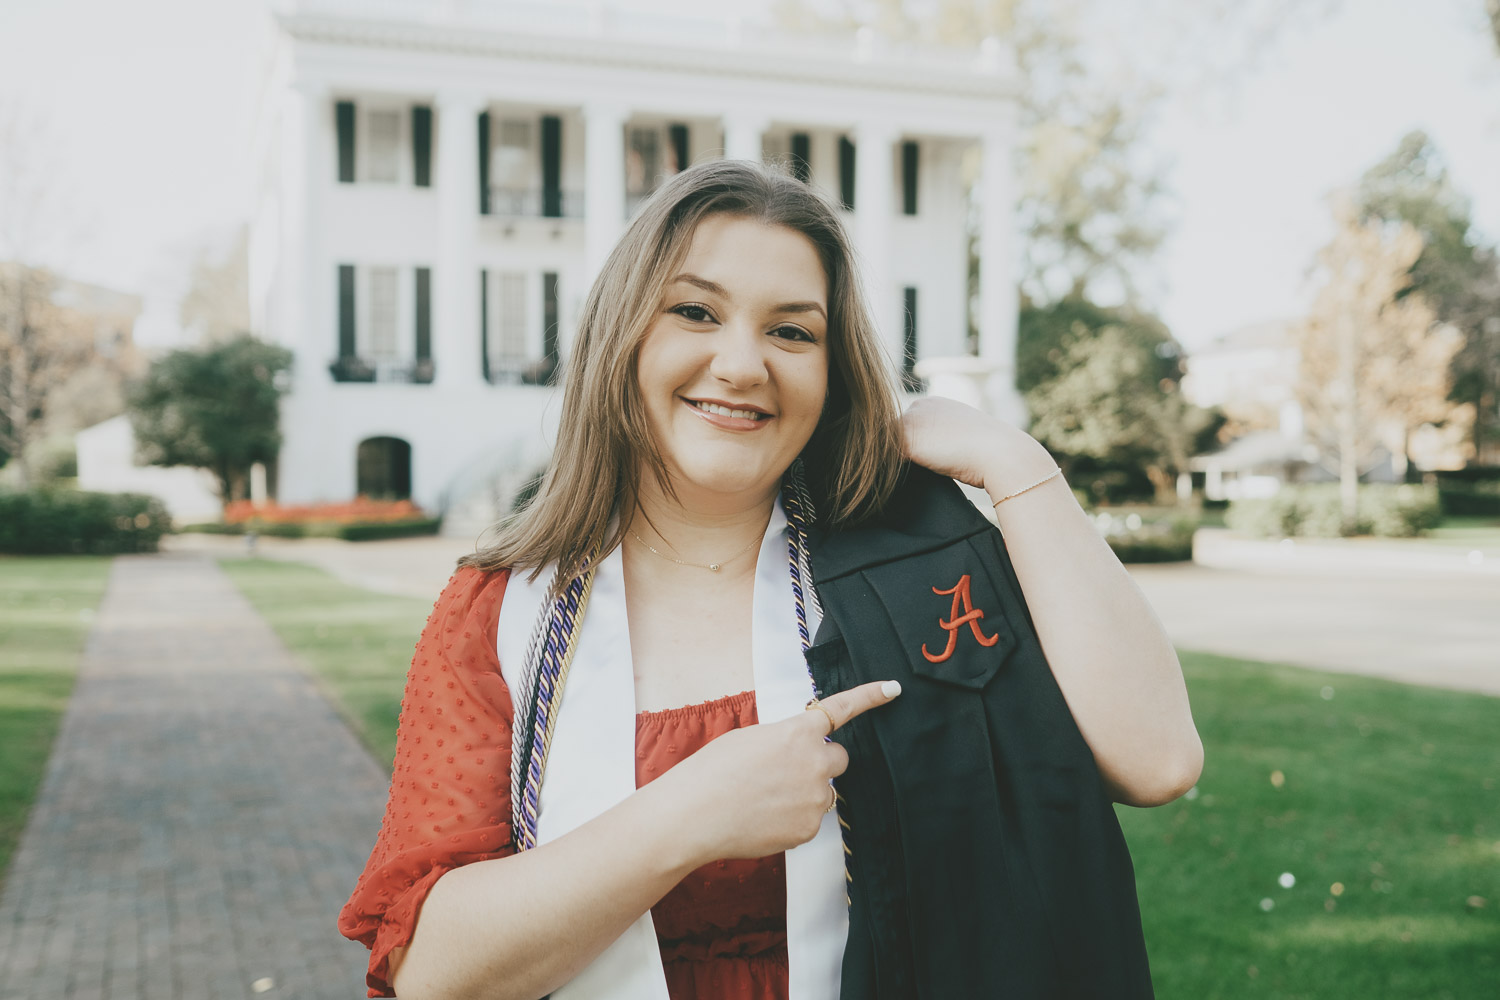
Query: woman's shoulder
[466,613]
[470,586]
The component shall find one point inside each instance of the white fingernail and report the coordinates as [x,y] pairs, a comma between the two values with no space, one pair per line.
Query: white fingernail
[890,688]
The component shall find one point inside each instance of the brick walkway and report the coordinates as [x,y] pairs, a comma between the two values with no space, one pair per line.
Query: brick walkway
[203,816]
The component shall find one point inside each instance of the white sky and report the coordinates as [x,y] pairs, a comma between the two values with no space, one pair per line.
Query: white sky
[144,107]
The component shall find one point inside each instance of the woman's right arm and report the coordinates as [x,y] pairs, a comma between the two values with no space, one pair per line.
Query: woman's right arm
[518,927]
[521,926]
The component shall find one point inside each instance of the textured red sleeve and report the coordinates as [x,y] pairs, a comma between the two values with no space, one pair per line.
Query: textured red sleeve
[449,801]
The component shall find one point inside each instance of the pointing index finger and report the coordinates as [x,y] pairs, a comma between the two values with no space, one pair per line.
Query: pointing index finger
[846,705]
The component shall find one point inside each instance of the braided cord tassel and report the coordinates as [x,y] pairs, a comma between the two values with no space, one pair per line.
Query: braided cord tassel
[556,656]
[799,513]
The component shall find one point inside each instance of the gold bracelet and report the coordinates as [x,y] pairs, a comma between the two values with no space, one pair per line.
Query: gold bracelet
[1051,475]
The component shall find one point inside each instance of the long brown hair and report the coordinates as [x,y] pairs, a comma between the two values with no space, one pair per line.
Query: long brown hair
[851,462]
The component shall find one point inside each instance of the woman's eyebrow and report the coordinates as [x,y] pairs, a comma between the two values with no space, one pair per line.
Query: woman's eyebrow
[714,288]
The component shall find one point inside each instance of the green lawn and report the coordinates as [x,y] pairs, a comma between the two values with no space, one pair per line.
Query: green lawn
[47,604]
[357,643]
[1388,790]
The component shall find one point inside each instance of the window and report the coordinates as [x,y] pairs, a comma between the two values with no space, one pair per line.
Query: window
[509,347]
[383,146]
[382,468]
[642,161]
[776,150]
[380,343]
[511,166]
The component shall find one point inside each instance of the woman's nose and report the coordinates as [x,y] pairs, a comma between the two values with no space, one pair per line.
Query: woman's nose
[739,357]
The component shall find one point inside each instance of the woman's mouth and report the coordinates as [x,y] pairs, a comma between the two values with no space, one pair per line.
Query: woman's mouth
[728,417]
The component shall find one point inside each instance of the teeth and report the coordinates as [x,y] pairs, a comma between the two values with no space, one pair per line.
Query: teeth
[725,411]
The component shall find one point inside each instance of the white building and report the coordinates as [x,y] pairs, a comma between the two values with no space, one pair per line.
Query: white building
[439,183]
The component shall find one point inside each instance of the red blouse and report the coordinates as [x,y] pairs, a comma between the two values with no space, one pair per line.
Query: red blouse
[722,930]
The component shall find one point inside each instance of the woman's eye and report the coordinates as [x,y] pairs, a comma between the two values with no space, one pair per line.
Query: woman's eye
[793,333]
[692,313]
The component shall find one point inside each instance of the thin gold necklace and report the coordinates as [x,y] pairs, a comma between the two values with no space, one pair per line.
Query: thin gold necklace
[712,567]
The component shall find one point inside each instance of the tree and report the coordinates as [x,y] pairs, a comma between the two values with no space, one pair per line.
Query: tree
[42,343]
[214,408]
[1374,359]
[1104,385]
[1091,199]
[217,304]
[1455,271]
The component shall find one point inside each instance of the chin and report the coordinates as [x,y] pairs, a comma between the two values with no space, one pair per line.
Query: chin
[728,478]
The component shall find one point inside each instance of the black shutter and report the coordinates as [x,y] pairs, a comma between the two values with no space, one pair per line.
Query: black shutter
[346,311]
[344,116]
[484,163]
[551,166]
[549,325]
[484,324]
[909,177]
[846,172]
[421,145]
[801,157]
[909,343]
[424,314]
[679,137]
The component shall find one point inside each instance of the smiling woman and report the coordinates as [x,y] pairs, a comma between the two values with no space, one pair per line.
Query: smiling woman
[637,760]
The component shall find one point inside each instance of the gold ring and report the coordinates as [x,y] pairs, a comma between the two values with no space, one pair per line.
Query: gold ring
[835,803]
[815,704]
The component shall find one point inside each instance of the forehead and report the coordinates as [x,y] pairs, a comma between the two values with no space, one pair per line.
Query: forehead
[757,261]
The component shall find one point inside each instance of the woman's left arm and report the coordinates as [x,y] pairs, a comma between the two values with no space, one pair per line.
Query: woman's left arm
[1110,655]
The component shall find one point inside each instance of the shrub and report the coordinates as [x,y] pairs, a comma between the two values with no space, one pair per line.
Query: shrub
[1135,539]
[1316,511]
[1479,499]
[43,521]
[376,531]
[361,520]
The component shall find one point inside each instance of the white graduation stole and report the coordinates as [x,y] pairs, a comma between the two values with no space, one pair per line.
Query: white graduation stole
[591,764]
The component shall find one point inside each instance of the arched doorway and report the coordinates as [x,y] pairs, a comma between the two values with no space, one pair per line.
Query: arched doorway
[383,468]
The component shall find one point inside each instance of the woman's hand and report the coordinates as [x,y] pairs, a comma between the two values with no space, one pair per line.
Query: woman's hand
[958,441]
[764,789]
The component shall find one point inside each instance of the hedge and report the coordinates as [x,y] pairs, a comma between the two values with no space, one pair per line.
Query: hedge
[51,521]
[1316,511]
[357,531]
[1480,499]
[1135,540]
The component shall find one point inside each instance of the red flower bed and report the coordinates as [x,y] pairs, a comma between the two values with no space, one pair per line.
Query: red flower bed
[358,510]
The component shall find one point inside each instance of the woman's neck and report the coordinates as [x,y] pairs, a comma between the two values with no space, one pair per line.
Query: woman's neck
[700,529]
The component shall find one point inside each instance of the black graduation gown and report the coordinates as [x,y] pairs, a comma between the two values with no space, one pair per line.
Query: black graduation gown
[985,856]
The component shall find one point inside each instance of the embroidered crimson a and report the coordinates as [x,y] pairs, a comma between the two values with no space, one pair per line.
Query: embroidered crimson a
[971,617]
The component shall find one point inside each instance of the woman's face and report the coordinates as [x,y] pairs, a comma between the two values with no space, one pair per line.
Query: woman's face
[734,369]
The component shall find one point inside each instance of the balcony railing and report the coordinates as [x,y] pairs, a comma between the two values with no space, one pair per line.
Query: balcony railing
[534,203]
[519,371]
[356,369]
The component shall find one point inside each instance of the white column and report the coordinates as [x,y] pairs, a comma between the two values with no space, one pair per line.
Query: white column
[874,201]
[302,318]
[743,137]
[455,327]
[604,183]
[998,304]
